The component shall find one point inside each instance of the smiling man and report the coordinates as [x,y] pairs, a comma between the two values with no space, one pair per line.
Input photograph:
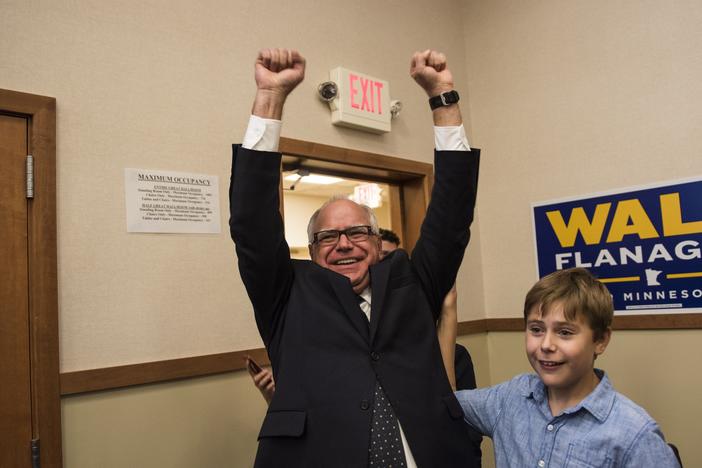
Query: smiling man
[344,238]
[352,340]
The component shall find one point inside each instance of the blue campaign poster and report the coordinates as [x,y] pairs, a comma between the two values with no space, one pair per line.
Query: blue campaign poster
[643,243]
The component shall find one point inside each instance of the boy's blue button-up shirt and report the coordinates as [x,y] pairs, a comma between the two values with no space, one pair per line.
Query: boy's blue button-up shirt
[605,430]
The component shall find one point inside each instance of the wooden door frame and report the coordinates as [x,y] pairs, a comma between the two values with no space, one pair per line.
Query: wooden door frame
[40,112]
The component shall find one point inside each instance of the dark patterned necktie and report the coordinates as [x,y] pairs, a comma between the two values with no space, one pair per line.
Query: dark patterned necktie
[385,442]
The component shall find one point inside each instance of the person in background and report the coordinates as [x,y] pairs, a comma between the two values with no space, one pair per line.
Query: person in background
[389,241]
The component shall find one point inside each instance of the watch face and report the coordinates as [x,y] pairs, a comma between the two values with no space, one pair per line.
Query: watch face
[451,97]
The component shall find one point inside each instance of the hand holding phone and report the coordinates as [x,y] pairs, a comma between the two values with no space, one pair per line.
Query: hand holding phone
[263,379]
[252,366]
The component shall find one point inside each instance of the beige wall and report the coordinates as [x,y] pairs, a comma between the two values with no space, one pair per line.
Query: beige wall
[565,98]
[204,422]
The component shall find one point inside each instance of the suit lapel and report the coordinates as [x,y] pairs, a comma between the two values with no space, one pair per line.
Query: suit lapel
[349,302]
[380,272]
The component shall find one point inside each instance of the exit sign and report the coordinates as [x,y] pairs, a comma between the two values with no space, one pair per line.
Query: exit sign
[363,102]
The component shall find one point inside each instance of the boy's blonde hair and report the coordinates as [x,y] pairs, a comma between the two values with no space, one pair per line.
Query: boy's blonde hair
[580,293]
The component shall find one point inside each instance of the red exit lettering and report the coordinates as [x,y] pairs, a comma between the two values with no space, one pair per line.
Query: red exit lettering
[371,93]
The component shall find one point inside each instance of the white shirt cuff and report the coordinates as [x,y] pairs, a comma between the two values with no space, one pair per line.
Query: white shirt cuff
[451,139]
[262,134]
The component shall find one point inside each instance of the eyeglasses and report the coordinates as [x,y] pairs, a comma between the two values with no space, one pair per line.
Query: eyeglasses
[354,234]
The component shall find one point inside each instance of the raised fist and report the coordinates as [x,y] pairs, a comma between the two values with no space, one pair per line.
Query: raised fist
[429,70]
[279,70]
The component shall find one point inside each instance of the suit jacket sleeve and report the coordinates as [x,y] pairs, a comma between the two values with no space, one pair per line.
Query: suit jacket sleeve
[465,374]
[465,380]
[257,230]
[445,231]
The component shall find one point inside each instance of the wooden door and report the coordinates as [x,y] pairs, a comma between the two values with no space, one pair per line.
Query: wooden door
[15,389]
[30,412]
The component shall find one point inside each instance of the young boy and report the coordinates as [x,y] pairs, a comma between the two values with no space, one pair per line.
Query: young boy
[568,414]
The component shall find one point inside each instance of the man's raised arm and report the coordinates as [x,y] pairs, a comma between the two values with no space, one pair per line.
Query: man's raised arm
[255,223]
[445,230]
[278,72]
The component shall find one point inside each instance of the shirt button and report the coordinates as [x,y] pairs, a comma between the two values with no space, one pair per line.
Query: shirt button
[542,463]
[375,356]
[549,427]
[365,405]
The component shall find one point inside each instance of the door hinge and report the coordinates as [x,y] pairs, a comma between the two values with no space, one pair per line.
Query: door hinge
[29,173]
[36,463]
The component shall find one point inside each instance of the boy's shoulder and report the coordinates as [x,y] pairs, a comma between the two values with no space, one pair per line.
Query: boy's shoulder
[518,388]
[523,385]
[632,432]
[628,413]
[619,418]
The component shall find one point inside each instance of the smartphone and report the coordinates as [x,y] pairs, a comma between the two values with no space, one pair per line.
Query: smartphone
[253,366]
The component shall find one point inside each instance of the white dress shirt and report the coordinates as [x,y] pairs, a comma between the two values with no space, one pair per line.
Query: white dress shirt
[264,135]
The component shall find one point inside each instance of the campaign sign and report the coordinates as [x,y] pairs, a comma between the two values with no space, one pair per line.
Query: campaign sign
[643,243]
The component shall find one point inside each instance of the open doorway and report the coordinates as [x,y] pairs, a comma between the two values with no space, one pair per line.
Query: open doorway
[304,191]
[397,189]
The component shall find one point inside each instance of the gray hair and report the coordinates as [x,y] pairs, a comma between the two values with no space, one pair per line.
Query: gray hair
[313,219]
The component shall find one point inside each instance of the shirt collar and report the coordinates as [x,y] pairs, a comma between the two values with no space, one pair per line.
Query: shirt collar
[533,388]
[366,294]
[598,403]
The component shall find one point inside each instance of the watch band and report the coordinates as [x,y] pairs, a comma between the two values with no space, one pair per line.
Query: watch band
[444,99]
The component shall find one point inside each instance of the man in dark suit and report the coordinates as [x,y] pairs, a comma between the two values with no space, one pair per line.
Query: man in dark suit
[352,340]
